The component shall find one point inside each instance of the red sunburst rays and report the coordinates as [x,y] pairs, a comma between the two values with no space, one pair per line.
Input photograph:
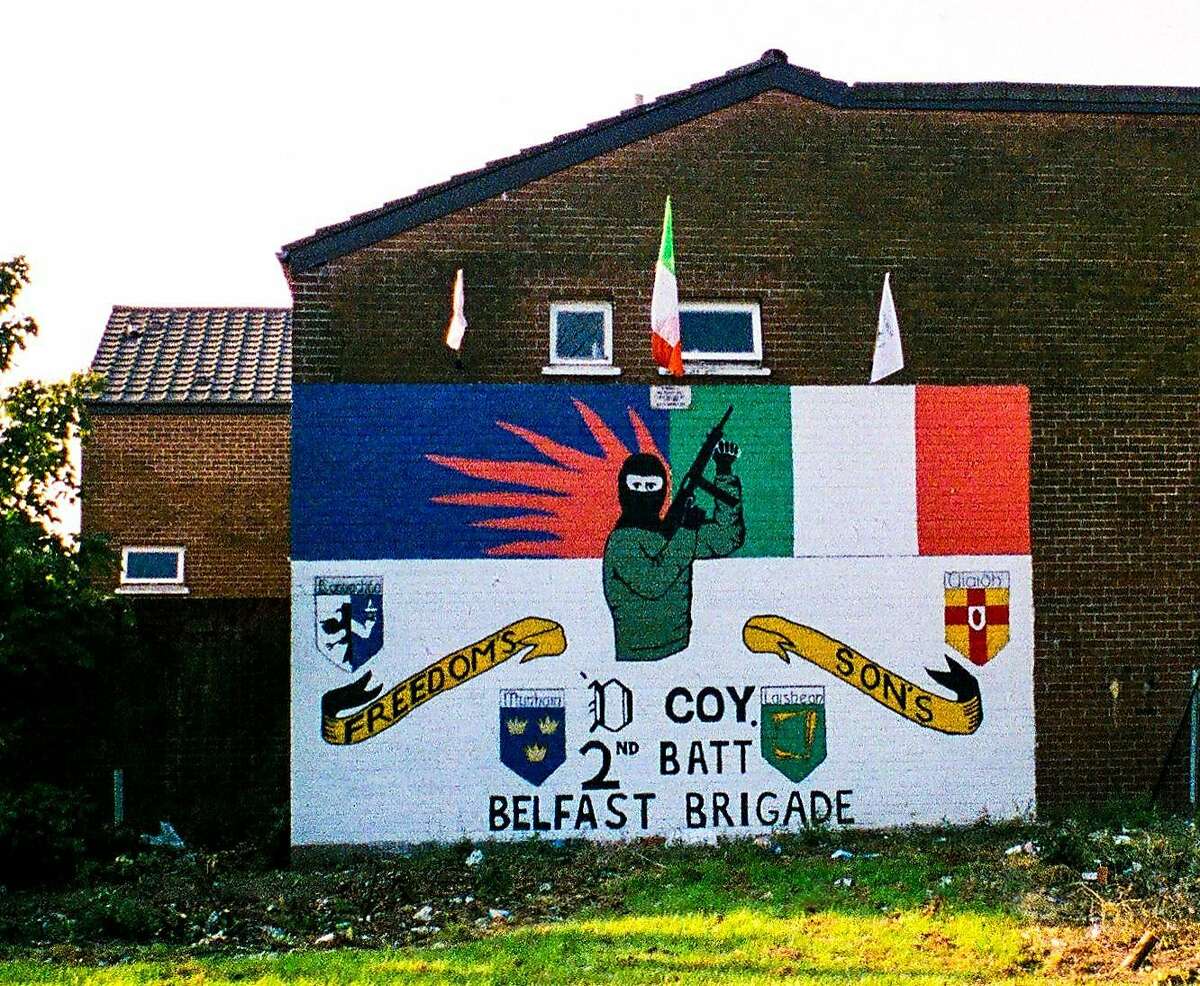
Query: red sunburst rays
[576,498]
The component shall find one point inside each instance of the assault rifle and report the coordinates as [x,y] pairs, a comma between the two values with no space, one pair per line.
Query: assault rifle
[694,479]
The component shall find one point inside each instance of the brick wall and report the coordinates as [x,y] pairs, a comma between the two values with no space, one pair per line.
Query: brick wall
[1008,236]
[201,729]
[1046,249]
[213,480]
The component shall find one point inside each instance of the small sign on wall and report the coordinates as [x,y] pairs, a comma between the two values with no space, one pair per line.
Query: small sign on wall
[670,397]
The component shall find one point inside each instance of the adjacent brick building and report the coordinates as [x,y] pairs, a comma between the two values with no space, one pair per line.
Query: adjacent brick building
[186,472]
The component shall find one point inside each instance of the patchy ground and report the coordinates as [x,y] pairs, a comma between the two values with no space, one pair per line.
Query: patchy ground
[986,903]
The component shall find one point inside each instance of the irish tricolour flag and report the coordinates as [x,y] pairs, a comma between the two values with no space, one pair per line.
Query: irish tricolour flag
[665,340]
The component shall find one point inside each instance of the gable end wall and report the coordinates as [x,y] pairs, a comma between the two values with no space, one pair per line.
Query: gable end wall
[1050,250]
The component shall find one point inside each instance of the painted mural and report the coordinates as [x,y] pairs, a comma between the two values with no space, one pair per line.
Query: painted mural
[557,610]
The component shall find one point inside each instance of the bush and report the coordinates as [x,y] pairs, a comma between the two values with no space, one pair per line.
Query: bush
[43,833]
[112,913]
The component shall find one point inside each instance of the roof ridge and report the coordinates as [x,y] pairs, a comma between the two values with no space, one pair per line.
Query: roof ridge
[201,308]
[776,57]
[770,71]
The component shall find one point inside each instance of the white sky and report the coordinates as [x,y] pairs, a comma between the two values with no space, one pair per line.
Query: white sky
[157,154]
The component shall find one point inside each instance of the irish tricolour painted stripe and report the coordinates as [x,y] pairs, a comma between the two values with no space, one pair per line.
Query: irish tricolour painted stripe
[665,340]
[529,471]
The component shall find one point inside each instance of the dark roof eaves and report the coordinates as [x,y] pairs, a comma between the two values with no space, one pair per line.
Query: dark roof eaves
[277,309]
[715,94]
[561,153]
[1007,97]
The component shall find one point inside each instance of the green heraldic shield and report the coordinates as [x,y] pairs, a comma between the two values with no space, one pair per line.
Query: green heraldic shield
[792,728]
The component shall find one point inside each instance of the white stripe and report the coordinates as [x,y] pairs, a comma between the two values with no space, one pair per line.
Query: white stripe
[664,305]
[854,471]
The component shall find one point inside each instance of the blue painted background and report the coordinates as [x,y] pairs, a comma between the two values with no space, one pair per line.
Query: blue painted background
[361,484]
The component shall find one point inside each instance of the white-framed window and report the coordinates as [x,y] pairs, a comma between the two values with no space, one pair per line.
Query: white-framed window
[148,568]
[721,331]
[581,335]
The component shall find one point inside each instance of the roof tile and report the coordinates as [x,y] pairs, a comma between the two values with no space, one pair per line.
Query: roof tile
[181,355]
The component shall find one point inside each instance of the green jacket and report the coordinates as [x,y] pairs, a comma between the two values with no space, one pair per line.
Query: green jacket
[648,578]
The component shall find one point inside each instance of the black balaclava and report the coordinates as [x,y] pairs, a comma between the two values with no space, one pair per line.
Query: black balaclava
[641,509]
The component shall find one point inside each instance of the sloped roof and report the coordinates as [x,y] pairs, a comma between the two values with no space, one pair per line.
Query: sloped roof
[196,355]
[770,72]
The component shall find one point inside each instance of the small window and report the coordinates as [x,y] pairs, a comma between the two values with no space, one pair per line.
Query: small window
[152,566]
[581,334]
[721,331]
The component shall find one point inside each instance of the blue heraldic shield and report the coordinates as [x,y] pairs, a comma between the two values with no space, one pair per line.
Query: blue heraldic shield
[348,617]
[533,732]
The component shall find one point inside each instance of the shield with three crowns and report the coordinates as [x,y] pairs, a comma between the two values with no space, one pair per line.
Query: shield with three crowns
[348,619]
[792,728]
[533,731]
[976,605]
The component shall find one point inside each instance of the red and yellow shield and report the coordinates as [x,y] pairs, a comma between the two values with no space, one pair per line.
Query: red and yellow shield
[977,614]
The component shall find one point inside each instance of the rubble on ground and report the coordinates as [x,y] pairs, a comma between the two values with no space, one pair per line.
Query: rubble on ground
[1111,883]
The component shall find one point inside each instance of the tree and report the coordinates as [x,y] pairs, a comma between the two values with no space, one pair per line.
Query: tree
[57,629]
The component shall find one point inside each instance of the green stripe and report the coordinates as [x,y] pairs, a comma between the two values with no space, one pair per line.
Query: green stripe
[761,424]
[666,249]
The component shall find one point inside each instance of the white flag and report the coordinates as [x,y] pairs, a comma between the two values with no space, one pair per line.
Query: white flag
[889,356]
[458,321]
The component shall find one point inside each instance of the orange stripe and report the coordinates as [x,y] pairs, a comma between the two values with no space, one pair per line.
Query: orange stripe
[667,356]
[972,470]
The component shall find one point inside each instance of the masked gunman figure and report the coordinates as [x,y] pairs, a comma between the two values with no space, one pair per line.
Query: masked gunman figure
[648,568]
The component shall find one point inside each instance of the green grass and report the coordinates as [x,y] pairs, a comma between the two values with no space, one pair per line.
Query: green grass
[717,884]
[742,947]
[922,907]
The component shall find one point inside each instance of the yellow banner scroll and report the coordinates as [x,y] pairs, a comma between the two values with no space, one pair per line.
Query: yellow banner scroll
[541,637]
[959,716]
